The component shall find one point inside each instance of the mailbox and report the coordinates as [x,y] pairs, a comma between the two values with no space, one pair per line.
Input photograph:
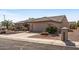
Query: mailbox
[64,34]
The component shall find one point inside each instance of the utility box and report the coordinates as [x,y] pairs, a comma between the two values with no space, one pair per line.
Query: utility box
[64,34]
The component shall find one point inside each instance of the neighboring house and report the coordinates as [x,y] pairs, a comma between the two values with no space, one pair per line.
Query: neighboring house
[21,26]
[73,25]
[40,24]
[73,22]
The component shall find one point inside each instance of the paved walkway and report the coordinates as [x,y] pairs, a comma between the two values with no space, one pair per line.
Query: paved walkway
[24,37]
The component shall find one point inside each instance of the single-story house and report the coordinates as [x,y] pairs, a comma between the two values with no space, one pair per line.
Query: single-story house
[40,24]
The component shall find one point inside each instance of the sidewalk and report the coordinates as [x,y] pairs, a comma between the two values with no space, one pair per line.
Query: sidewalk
[43,41]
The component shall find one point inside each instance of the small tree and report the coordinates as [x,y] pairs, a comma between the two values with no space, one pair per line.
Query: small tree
[51,30]
[7,23]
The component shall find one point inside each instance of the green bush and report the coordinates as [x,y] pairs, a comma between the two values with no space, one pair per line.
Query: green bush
[51,30]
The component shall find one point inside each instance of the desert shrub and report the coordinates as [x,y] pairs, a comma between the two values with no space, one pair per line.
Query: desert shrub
[51,30]
[24,29]
[44,33]
[70,30]
[18,28]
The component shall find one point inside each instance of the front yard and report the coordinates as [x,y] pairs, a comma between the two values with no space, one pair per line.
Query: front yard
[11,43]
[48,37]
[74,36]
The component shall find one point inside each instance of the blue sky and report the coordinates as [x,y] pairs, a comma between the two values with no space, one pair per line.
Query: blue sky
[23,14]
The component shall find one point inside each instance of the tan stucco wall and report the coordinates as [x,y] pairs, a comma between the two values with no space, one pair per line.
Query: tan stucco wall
[41,26]
[65,23]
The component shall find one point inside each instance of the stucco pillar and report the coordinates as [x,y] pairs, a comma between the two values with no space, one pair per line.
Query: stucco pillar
[64,34]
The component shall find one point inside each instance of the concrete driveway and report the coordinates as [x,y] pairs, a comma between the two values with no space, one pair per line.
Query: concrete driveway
[21,35]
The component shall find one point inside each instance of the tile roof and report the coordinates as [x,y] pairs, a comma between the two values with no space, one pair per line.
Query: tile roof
[53,18]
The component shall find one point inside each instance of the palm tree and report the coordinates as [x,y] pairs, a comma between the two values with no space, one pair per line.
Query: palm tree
[7,23]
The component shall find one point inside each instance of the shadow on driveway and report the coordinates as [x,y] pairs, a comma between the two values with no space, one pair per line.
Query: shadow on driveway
[69,43]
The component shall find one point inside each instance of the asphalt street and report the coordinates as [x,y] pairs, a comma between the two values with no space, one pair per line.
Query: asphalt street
[6,44]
